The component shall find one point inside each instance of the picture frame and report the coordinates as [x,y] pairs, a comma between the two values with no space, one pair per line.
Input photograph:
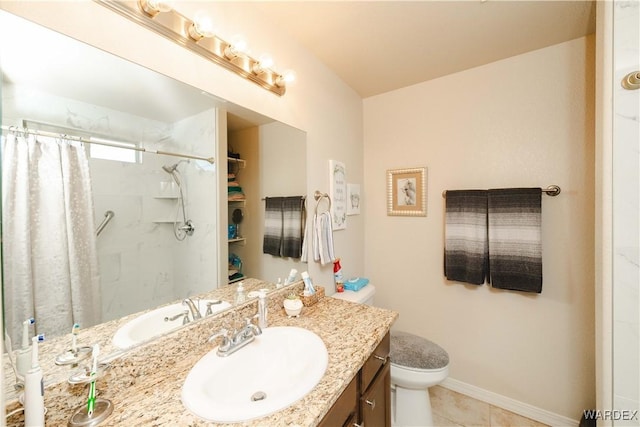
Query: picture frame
[353,199]
[407,192]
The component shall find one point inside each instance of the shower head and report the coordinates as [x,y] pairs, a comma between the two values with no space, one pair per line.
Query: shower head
[170,168]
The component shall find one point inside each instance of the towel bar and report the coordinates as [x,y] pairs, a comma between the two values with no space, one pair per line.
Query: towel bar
[552,190]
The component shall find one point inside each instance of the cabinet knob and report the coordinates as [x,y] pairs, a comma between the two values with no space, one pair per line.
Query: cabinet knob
[382,359]
[371,403]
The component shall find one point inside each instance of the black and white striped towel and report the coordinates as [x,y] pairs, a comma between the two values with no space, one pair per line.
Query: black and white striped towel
[465,252]
[515,246]
[284,221]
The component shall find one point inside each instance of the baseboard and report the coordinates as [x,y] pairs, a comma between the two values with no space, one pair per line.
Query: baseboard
[515,406]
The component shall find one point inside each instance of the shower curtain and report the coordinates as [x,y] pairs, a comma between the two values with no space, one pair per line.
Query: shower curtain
[48,236]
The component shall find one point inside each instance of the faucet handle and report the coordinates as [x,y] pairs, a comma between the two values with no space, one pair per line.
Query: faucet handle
[226,342]
[224,332]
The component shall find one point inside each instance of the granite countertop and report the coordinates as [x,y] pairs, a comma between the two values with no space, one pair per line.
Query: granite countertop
[102,334]
[145,383]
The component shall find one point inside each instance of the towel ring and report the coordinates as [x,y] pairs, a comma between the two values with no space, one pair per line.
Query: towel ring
[319,196]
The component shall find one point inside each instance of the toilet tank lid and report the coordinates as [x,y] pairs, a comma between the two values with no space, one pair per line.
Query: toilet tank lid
[360,296]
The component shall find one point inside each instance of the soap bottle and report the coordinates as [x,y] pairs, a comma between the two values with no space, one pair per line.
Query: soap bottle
[240,297]
[34,389]
[262,309]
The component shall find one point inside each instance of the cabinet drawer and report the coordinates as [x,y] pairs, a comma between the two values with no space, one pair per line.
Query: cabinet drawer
[345,408]
[376,361]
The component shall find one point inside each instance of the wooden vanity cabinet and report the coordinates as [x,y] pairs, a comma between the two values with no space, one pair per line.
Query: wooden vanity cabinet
[367,399]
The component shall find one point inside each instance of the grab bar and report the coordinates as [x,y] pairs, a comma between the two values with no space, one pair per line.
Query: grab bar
[107,217]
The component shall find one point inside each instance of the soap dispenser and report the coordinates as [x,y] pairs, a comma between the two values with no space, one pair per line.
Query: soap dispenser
[262,309]
[240,297]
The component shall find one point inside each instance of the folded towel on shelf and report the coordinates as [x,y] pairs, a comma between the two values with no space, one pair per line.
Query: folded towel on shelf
[323,238]
[272,239]
[284,221]
[465,251]
[515,244]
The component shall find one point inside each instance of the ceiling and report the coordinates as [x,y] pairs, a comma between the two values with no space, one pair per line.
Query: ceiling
[373,46]
[379,46]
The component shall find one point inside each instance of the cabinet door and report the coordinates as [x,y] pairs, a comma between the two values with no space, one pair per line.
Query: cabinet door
[345,409]
[375,403]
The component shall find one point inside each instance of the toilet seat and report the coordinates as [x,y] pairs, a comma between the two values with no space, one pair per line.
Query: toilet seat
[414,352]
[416,362]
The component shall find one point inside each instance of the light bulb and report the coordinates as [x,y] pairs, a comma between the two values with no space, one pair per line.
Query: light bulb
[237,46]
[153,7]
[264,62]
[289,76]
[202,26]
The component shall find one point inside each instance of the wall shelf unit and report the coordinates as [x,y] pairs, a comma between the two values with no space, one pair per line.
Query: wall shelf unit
[234,165]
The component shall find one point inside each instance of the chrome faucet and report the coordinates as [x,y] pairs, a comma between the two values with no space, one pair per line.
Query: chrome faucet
[240,338]
[262,310]
[195,313]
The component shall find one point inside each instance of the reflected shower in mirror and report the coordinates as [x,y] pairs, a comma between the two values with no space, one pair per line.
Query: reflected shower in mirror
[86,93]
[186,228]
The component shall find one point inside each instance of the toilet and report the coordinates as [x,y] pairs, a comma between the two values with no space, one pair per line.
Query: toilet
[416,365]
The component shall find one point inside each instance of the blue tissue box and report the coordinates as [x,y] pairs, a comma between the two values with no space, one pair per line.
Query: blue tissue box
[356,283]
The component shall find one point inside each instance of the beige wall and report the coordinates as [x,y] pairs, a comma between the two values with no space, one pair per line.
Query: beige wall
[523,121]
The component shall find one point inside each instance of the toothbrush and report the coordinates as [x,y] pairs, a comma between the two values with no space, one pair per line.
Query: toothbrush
[74,333]
[91,402]
[25,332]
[35,363]
[33,389]
[23,355]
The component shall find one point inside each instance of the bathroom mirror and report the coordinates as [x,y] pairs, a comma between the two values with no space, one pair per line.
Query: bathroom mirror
[57,84]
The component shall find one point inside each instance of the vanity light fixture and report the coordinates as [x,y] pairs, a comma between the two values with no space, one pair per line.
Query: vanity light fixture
[198,35]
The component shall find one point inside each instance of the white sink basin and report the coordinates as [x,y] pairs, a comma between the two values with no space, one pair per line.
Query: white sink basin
[152,323]
[278,368]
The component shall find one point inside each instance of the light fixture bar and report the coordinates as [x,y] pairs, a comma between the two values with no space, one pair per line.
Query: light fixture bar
[175,26]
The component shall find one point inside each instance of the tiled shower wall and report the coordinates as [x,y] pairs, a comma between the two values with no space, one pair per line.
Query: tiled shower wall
[626,230]
[141,263]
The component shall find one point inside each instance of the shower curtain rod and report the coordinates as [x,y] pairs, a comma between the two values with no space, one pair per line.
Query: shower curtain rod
[102,141]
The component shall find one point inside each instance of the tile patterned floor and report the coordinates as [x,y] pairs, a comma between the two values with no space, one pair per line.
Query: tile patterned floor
[455,409]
